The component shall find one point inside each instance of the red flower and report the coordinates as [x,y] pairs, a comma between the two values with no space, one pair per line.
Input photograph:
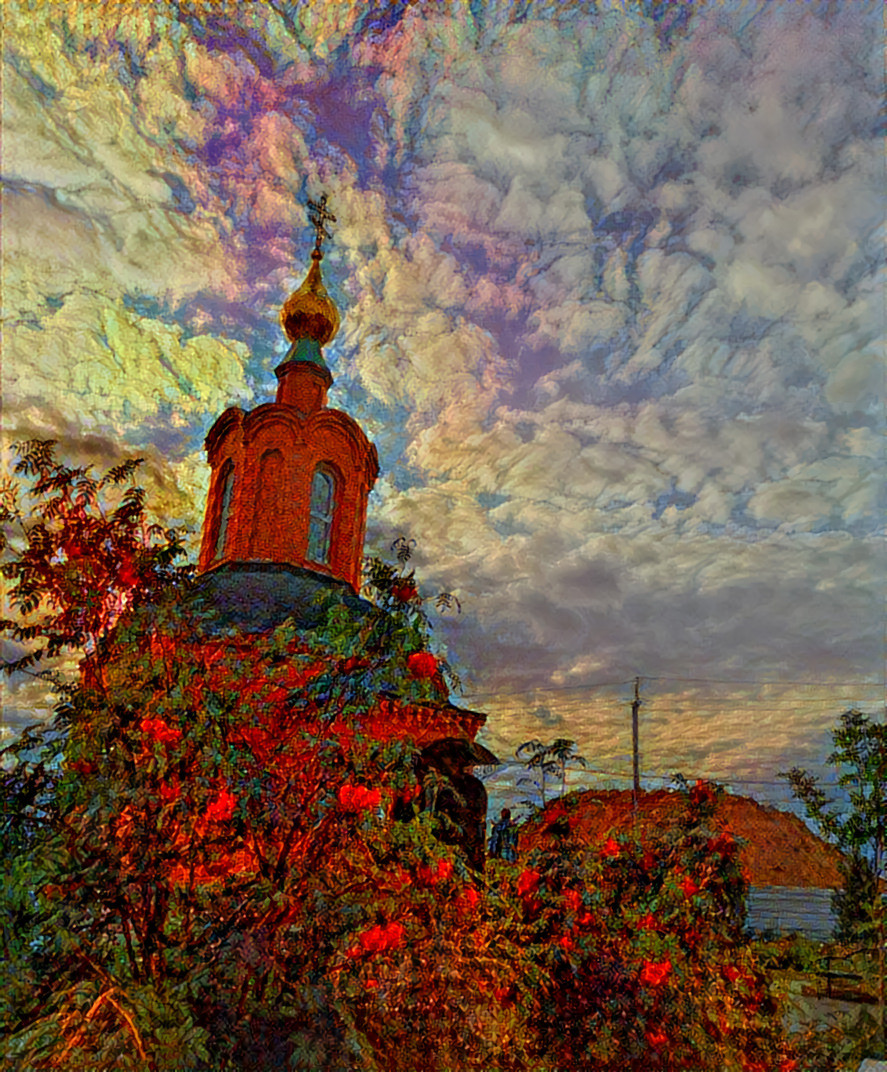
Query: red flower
[566,942]
[528,883]
[160,731]
[410,792]
[354,798]
[688,886]
[648,922]
[654,973]
[732,973]
[378,939]
[469,899]
[430,876]
[353,663]
[405,591]
[572,901]
[657,1039]
[611,849]
[221,808]
[788,1065]
[399,880]
[422,664]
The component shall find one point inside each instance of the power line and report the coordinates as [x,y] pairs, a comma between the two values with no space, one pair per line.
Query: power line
[554,688]
[761,683]
[757,681]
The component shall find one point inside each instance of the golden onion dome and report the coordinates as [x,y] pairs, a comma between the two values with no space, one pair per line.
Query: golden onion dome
[309,312]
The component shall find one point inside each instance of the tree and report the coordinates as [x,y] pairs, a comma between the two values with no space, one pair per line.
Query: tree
[563,753]
[539,760]
[202,865]
[857,825]
[552,759]
[80,555]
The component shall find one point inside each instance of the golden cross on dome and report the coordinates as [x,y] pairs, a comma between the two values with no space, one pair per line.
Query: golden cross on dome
[318,215]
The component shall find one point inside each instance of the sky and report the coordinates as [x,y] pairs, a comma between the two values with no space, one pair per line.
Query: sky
[613,313]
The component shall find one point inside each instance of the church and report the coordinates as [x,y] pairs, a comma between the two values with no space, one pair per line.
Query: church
[284,533]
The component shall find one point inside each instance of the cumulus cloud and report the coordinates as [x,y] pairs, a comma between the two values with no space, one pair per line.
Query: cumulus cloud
[610,296]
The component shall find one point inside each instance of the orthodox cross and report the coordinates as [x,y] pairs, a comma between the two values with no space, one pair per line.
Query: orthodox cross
[318,215]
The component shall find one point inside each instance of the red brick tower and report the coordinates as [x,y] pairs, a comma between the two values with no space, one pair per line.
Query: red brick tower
[290,479]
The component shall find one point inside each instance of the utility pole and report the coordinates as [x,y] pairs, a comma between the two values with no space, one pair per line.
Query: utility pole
[635,750]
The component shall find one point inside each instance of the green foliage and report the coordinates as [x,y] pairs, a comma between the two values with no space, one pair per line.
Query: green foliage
[792,952]
[214,863]
[858,827]
[838,1046]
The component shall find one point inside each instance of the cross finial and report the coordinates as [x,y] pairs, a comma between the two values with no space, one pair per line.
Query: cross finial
[318,215]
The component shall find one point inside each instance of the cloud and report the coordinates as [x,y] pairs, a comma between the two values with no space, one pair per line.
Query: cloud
[610,306]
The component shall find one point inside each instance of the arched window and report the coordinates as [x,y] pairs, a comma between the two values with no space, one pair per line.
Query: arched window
[268,526]
[323,492]
[224,510]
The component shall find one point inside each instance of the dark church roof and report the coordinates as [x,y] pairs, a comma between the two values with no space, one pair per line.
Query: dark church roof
[256,597]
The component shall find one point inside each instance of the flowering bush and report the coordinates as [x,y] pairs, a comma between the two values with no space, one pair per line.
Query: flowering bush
[204,871]
[641,947]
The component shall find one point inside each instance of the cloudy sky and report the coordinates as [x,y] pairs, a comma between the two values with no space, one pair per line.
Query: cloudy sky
[609,276]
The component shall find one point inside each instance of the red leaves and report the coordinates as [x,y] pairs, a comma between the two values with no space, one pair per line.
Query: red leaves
[355,798]
[528,890]
[654,973]
[160,731]
[648,923]
[723,845]
[399,880]
[170,792]
[656,1039]
[378,939]
[743,978]
[221,808]
[422,664]
[572,901]
[127,572]
[468,899]
[83,767]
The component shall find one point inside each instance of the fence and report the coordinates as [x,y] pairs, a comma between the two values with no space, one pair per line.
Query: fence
[787,909]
